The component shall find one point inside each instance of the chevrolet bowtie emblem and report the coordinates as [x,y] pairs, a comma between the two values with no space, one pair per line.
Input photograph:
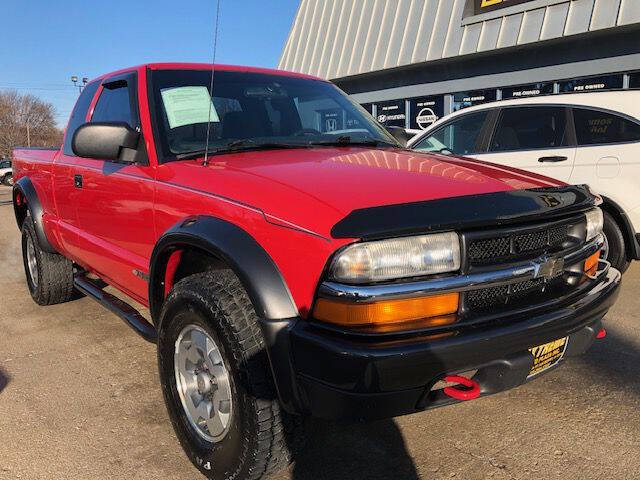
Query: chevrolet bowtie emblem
[550,200]
[549,268]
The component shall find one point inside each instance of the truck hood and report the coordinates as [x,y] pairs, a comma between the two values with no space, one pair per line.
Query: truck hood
[315,188]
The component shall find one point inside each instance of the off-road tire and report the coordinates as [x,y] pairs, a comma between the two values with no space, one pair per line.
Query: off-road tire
[261,437]
[617,254]
[54,282]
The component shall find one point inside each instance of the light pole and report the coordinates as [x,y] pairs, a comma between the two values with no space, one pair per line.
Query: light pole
[74,79]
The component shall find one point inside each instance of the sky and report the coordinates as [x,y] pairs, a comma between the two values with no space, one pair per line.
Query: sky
[46,42]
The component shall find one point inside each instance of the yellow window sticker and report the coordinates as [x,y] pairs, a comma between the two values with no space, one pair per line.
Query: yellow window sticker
[188,106]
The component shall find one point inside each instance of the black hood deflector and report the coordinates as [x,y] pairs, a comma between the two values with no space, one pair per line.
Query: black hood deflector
[468,211]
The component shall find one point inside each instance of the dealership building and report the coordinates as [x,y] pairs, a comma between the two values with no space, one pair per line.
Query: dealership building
[409,62]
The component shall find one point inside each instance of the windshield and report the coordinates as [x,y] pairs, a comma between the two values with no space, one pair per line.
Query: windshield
[254,111]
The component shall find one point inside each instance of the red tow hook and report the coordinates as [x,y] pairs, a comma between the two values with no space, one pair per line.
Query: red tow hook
[470,393]
[601,333]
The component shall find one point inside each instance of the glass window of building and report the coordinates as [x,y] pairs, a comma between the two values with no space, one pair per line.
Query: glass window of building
[531,90]
[392,113]
[469,99]
[425,111]
[605,82]
[634,80]
[368,107]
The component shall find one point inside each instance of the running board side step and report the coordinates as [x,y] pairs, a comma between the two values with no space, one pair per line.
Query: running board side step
[121,308]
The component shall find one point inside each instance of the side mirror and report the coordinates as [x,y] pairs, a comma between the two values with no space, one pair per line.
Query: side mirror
[400,134]
[105,141]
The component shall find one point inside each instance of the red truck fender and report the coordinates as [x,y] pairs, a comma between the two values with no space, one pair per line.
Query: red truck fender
[234,247]
[25,198]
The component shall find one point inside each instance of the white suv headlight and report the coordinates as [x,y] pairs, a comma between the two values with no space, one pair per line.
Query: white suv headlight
[381,260]
[595,223]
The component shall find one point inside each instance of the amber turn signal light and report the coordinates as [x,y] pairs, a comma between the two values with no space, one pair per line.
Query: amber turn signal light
[390,315]
[591,264]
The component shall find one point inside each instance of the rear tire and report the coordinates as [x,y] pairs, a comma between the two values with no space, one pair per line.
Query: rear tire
[615,247]
[49,275]
[251,437]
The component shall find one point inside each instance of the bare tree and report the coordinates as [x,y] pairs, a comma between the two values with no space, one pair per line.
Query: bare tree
[25,120]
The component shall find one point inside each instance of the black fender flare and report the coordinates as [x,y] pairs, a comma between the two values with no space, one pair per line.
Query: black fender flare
[25,187]
[257,271]
[618,213]
[261,278]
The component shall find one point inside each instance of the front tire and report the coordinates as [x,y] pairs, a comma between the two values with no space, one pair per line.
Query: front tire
[614,250]
[217,382]
[49,275]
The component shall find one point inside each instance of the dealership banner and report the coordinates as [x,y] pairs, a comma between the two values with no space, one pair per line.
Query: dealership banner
[482,6]
[605,82]
[469,99]
[424,111]
[392,113]
[531,90]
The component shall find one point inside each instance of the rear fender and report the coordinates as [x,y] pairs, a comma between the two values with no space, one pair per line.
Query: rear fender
[25,198]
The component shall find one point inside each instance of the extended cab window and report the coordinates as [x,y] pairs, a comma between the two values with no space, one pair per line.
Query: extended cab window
[79,115]
[595,127]
[114,104]
[530,128]
[459,137]
[254,111]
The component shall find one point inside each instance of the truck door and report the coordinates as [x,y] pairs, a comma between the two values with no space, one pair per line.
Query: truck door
[115,208]
[534,138]
[65,194]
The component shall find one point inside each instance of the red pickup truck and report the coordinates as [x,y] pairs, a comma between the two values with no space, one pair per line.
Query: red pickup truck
[297,261]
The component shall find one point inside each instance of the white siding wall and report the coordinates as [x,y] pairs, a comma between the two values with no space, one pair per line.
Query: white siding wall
[338,38]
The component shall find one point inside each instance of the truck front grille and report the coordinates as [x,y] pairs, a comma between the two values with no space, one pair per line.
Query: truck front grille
[488,250]
[513,247]
[511,296]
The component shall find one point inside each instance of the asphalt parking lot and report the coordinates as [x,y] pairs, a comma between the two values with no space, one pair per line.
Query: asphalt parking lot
[79,399]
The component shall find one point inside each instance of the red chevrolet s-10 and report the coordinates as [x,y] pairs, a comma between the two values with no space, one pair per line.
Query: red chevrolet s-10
[297,261]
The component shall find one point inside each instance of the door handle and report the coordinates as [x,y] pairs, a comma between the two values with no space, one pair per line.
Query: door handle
[77,181]
[552,159]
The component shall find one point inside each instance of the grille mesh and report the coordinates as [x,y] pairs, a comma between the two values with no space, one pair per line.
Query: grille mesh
[513,295]
[508,248]
[488,249]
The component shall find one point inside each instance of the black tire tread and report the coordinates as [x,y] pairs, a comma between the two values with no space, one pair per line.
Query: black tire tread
[223,294]
[617,245]
[56,272]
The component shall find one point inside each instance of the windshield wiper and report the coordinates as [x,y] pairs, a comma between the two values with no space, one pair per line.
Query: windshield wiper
[239,145]
[346,140]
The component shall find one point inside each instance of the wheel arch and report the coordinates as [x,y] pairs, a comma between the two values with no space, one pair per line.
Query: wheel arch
[25,199]
[226,244]
[617,212]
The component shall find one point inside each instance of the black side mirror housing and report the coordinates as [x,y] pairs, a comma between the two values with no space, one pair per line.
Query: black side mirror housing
[105,141]
[400,134]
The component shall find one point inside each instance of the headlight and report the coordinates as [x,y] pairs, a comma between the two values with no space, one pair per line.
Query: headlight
[397,258]
[595,223]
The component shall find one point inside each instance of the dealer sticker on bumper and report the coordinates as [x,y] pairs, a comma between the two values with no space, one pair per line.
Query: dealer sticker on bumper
[547,355]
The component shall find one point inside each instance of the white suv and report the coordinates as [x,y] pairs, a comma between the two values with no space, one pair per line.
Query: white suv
[6,173]
[591,138]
